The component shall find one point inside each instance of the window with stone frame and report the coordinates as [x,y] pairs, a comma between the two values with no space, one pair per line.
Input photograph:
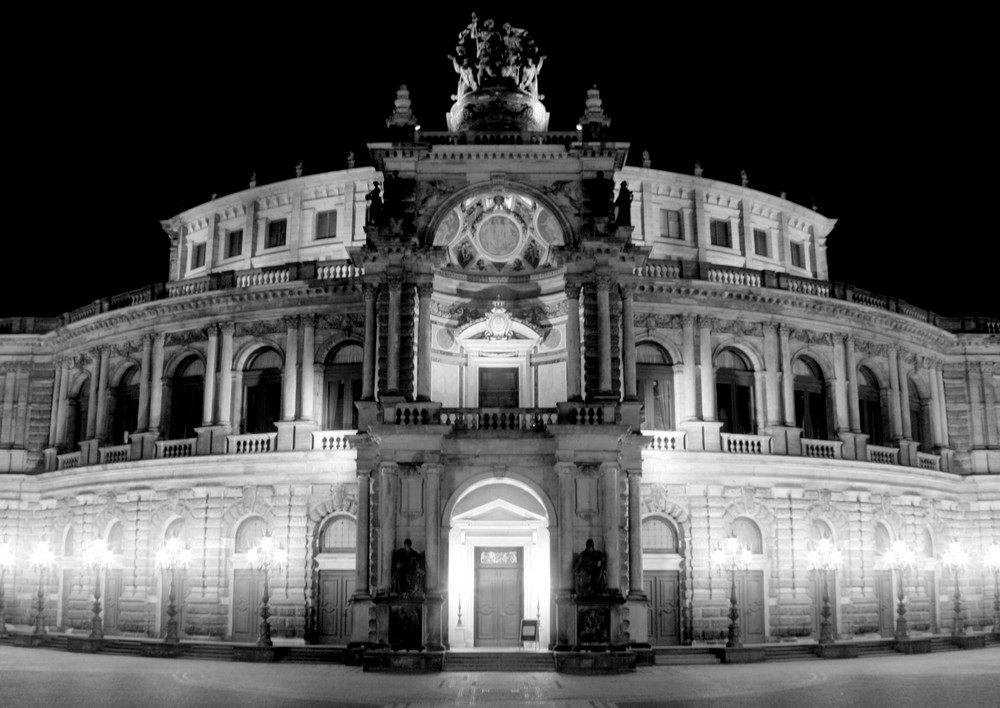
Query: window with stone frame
[658,536]
[760,243]
[798,252]
[197,255]
[870,407]
[234,243]
[326,224]
[277,233]
[670,224]
[654,386]
[187,392]
[811,399]
[734,381]
[721,233]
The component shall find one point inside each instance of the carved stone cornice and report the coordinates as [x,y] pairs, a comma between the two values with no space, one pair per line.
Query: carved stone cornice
[259,328]
[739,327]
[652,320]
[345,322]
[178,339]
[810,336]
[227,328]
[290,322]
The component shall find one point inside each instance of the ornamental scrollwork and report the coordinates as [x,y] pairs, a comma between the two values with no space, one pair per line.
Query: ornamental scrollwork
[259,328]
[180,339]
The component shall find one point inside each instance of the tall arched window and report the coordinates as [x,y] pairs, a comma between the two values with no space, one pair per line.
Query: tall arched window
[79,405]
[125,407]
[115,535]
[748,533]
[186,398]
[654,382]
[262,392]
[820,530]
[249,533]
[339,535]
[734,392]
[342,386]
[176,529]
[810,399]
[870,407]
[882,539]
[919,418]
[658,536]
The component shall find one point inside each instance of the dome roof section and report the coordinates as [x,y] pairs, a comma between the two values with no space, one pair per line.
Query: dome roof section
[497,71]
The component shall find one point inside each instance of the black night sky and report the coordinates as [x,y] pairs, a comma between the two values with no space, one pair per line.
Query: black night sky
[121,122]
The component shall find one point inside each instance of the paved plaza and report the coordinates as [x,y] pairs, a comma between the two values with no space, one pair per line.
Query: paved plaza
[45,677]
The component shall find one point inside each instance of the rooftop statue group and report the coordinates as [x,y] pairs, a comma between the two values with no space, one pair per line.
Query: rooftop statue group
[486,57]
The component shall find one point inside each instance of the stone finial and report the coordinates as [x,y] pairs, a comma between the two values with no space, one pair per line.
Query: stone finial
[402,115]
[784,194]
[744,180]
[814,207]
[298,168]
[215,195]
[350,160]
[253,179]
[646,161]
[697,169]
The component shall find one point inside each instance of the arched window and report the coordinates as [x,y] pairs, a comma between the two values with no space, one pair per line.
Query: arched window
[927,543]
[882,539]
[658,536]
[734,392]
[79,405]
[342,386]
[115,534]
[125,407]
[919,418]
[810,399]
[176,529]
[69,543]
[262,392]
[654,382]
[748,534]
[186,398]
[820,530]
[340,534]
[249,533]
[870,407]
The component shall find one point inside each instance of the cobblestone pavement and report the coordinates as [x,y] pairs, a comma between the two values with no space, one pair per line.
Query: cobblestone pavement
[43,677]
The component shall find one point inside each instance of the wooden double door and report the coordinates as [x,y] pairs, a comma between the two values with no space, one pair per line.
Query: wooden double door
[335,623]
[499,597]
[664,617]
[750,596]
[248,591]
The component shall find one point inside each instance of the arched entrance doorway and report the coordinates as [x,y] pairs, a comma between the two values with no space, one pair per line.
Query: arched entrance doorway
[498,564]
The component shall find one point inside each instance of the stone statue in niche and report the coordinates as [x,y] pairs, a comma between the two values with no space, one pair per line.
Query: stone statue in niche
[624,205]
[374,199]
[589,571]
[407,570]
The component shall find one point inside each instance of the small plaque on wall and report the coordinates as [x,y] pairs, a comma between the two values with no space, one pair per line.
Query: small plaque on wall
[529,630]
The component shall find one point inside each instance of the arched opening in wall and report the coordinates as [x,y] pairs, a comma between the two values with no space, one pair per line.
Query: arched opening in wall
[187,396]
[654,386]
[335,582]
[884,590]
[114,581]
[342,386]
[750,583]
[248,585]
[498,564]
[176,529]
[919,418]
[125,407]
[823,583]
[811,400]
[870,406]
[262,392]
[661,579]
[734,392]
[77,412]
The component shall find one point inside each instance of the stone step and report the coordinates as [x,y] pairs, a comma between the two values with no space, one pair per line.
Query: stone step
[499,661]
[680,656]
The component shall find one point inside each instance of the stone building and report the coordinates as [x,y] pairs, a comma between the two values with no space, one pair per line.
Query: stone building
[498,343]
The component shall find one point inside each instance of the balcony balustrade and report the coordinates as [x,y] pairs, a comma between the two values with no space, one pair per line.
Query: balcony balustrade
[251,443]
[170,449]
[883,455]
[927,461]
[499,418]
[823,449]
[113,454]
[332,440]
[665,440]
[746,444]
[68,460]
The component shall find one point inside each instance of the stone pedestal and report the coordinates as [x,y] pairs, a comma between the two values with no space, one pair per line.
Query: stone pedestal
[703,436]
[785,440]
[970,641]
[853,445]
[302,436]
[89,452]
[32,641]
[84,645]
[908,452]
[400,622]
[212,439]
[142,445]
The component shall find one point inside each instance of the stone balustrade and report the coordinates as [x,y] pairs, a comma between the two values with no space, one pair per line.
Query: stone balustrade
[338,271]
[586,413]
[416,413]
[746,444]
[332,439]
[251,443]
[734,276]
[68,460]
[262,276]
[169,449]
[499,418]
[666,440]
[927,461]
[113,454]
[883,455]
[823,449]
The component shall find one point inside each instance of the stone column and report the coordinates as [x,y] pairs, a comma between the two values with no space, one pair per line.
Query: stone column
[156,393]
[635,587]
[95,375]
[368,366]
[291,369]
[21,422]
[308,367]
[772,375]
[208,400]
[904,397]
[387,473]
[690,369]
[628,337]
[787,377]
[707,369]
[224,415]
[432,531]
[840,383]
[144,366]
[364,531]
[939,371]
[54,406]
[935,402]
[572,340]
[894,419]
[603,283]
[853,402]
[424,291]
[63,403]
[609,477]
[565,623]
[392,341]
[988,369]
[8,378]
[102,395]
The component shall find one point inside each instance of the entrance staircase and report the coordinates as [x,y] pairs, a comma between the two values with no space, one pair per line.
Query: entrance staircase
[519,661]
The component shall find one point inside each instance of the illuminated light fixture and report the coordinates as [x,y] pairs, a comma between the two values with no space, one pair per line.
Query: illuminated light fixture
[732,556]
[172,555]
[42,556]
[957,559]
[900,557]
[267,554]
[97,557]
[824,556]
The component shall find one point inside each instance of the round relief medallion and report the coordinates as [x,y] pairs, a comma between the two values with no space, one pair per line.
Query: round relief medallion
[499,236]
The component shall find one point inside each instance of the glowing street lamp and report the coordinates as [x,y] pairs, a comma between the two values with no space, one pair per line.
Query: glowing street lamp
[956,559]
[266,554]
[732,556]
[900,557]
[991,559]
[826,557]
[97,557]
[41,558]
[6,561]
[171,556]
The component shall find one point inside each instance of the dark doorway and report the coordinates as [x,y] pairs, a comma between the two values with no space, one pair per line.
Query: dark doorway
[499,595]
[498,388]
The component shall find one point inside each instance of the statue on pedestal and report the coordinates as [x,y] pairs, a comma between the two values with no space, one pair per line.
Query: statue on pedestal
[624,206]
[408,571]
[589,571]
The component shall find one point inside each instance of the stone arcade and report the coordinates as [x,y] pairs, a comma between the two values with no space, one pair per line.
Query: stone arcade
[499,376]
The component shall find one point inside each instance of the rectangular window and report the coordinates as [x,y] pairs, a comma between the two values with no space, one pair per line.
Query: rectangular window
[798,255]
[197,256]
[670,223]
[721,235]
[326,224]
[760,242]
[234,243]
[276,232]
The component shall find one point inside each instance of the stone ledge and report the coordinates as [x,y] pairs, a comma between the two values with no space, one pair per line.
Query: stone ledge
[739,655]
[164,650]
[587,662]
[970,641]
[84,645]
[913,646]
[837,651]
[403,662]
[29,640]
[258,655]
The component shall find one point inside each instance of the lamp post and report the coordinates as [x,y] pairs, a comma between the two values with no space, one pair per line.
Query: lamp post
[97,557]
[171,556]
[41,558]
[956,559]
[732,556]
[991,559]
[265,555]
[6,561]
[900,557]
[825,556]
